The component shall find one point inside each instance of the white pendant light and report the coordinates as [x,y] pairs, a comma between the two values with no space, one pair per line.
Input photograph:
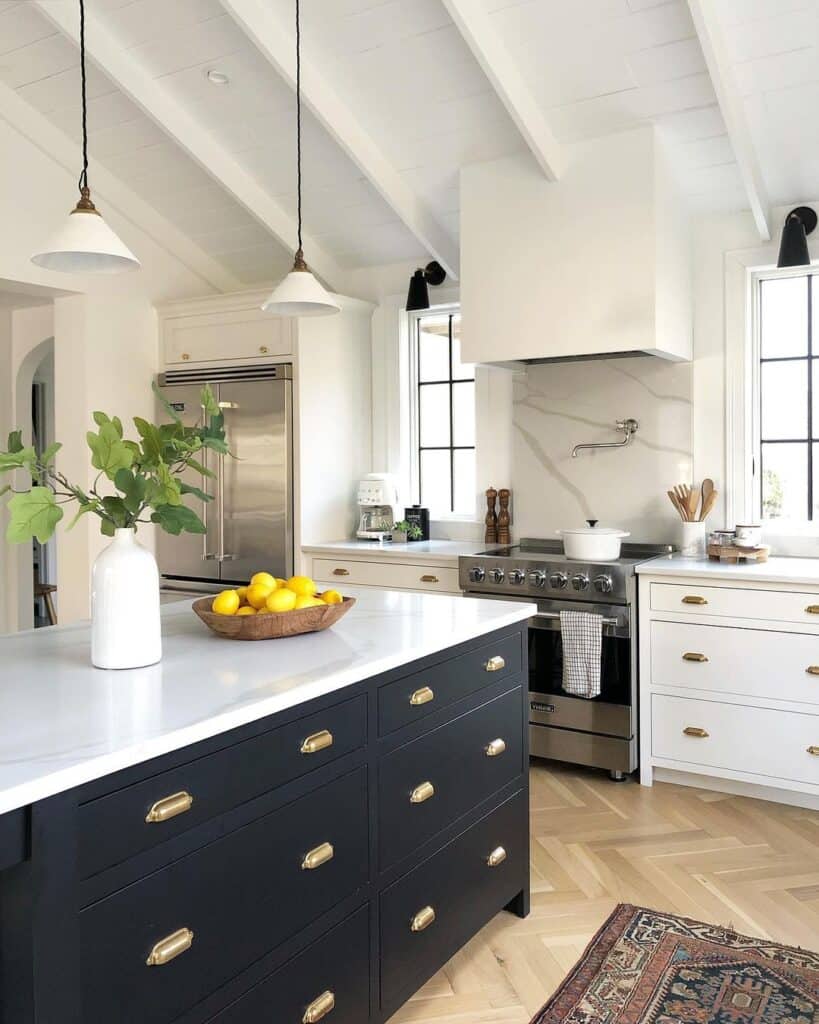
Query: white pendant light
[85,244]
[300,294]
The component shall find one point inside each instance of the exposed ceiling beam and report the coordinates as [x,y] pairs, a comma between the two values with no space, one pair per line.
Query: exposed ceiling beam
[731,106]
[500,68]
[275,40]
[34,126]
[159,104]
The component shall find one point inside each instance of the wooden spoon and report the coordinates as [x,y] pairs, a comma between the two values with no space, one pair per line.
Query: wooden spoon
[707,490]
[707,505]
[693,502]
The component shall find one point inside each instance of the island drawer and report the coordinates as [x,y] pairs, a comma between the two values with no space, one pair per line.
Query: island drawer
[122,824]
[240,897]
[759,741]
[433,780]
[770,605]
[417,695]
[333,972]
[463,885]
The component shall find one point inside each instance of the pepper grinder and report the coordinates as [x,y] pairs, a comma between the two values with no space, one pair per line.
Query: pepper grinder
[491,520]
[504,537]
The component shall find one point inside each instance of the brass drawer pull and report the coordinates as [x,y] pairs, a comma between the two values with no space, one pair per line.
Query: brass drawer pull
[185,356]
[318,856]
[318,741]
[812,609]
[694,656]
[319,1008]
[694,730]
[813,751]
[264,349]
[341,572]
[422,793]
[812,670]
[170,948]
[694,600]
[429,579]
[423,919]
[495,748]
[496,857]
[169,806]
[494,664]
[424,696]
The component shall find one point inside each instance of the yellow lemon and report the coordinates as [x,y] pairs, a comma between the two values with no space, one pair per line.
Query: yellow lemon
[246,610]
[302,585]
[258,593]
[280,582]
[225,603]
[308,601]
[281,601]
[242,592]
[331,597]
[264,578]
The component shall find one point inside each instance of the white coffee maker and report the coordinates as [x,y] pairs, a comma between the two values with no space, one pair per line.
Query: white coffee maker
[377,496]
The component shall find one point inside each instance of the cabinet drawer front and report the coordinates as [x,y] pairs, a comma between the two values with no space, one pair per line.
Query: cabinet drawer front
[723,659]
[419,694]
[13,838]
[776,744]
[114,827]
[457,762]
[236,334]
[337,964]
[774,605]
[390,575]
[463,891]
[241,897]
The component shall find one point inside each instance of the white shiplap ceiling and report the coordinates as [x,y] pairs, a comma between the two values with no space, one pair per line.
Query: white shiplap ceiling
[414,89]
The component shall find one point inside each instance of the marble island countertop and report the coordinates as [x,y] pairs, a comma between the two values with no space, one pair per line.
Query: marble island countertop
[64,723]
[775,570]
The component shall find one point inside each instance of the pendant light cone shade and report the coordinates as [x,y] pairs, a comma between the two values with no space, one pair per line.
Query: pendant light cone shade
[300,294]
[418,294]
[793,247]
[86,245]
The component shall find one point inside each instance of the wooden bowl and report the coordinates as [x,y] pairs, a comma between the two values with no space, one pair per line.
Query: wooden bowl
[271,625]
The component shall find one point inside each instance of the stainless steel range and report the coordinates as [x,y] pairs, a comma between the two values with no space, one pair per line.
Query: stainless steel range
[601,732]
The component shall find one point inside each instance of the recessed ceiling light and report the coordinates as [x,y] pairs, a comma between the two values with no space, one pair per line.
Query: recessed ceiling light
[217,77]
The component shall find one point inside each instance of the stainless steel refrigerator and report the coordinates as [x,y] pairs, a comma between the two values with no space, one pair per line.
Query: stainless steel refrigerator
[250,521]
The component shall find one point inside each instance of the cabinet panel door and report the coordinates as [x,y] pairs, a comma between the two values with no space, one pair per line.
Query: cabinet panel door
[226,336]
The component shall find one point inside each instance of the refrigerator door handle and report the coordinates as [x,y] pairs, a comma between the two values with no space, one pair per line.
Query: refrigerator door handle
[220,478]
[206,555]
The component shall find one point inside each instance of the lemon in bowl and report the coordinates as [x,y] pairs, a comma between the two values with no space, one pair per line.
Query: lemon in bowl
[226,603]
[281,600]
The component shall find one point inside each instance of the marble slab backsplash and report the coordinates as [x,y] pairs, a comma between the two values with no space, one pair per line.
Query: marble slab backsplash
[559,405]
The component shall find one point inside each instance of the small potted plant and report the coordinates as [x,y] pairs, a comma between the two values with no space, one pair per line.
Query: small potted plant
[137,481]
[403,531]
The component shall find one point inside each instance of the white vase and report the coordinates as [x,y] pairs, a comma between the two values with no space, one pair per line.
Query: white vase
[125,625]
[692,539]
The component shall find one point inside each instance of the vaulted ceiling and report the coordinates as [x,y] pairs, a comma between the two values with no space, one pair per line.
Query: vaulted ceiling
[399,95]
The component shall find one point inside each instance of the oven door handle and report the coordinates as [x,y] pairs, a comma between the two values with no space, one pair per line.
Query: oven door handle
[554,617]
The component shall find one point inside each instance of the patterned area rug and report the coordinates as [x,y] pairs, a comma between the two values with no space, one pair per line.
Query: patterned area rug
[645,967]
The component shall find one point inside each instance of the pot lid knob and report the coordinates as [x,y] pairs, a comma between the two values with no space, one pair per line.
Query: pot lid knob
[592,522]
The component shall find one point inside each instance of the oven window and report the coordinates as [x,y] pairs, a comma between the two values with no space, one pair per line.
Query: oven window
[546,666]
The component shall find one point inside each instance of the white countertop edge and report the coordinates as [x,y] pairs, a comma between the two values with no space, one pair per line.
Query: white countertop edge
[426,552]
[62,780]
[775,570]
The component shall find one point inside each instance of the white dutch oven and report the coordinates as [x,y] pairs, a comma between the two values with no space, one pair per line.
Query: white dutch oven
[592,543]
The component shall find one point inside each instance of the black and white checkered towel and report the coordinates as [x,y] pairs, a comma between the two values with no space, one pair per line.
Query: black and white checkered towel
[582,636]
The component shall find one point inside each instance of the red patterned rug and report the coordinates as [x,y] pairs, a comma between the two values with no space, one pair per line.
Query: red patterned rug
[646,967]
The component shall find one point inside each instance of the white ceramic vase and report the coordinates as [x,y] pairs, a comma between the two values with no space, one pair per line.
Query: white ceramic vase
[125,625]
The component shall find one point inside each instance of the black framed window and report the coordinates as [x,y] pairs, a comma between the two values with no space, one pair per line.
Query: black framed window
[788,456]
[444,415]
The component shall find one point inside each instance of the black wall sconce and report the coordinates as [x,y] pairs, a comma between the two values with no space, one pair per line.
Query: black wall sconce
[418,294]
[793,249]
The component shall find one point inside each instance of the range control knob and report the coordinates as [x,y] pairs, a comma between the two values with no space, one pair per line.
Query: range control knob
[603,584]
[477,574]
[580,581]
[516,576]
[537,578]
[496,575]
[558,580]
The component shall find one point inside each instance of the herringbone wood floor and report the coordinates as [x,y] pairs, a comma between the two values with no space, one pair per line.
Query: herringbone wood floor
[748,864]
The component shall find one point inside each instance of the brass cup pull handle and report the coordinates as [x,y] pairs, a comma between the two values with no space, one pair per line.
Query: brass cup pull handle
[422,920]
[696,732]
[168,807]
[495,748]
[341,572]
[422,793]
[429,579]
[317,856]
[812,609]
[496,857]
[170,947]
[494,664]
[812,670]
[422,696]
[695,656]
[319,1008]
[692,599]
[316,742]
[813,751]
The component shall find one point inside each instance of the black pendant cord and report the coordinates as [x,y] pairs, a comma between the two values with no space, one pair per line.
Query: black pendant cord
[298,118]
[83,182]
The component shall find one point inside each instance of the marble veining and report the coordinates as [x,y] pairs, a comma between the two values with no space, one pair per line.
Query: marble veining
[64,723]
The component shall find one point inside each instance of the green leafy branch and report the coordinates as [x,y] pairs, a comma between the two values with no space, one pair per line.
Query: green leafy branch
[147,475]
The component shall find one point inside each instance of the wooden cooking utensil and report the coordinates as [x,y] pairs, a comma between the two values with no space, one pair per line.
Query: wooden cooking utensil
[707,505]
[675,501]
[681,490]
[693,501]
[707,489]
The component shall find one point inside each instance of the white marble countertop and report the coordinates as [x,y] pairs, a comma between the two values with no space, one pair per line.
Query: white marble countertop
[436,552]
[64,723]
[775,570]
